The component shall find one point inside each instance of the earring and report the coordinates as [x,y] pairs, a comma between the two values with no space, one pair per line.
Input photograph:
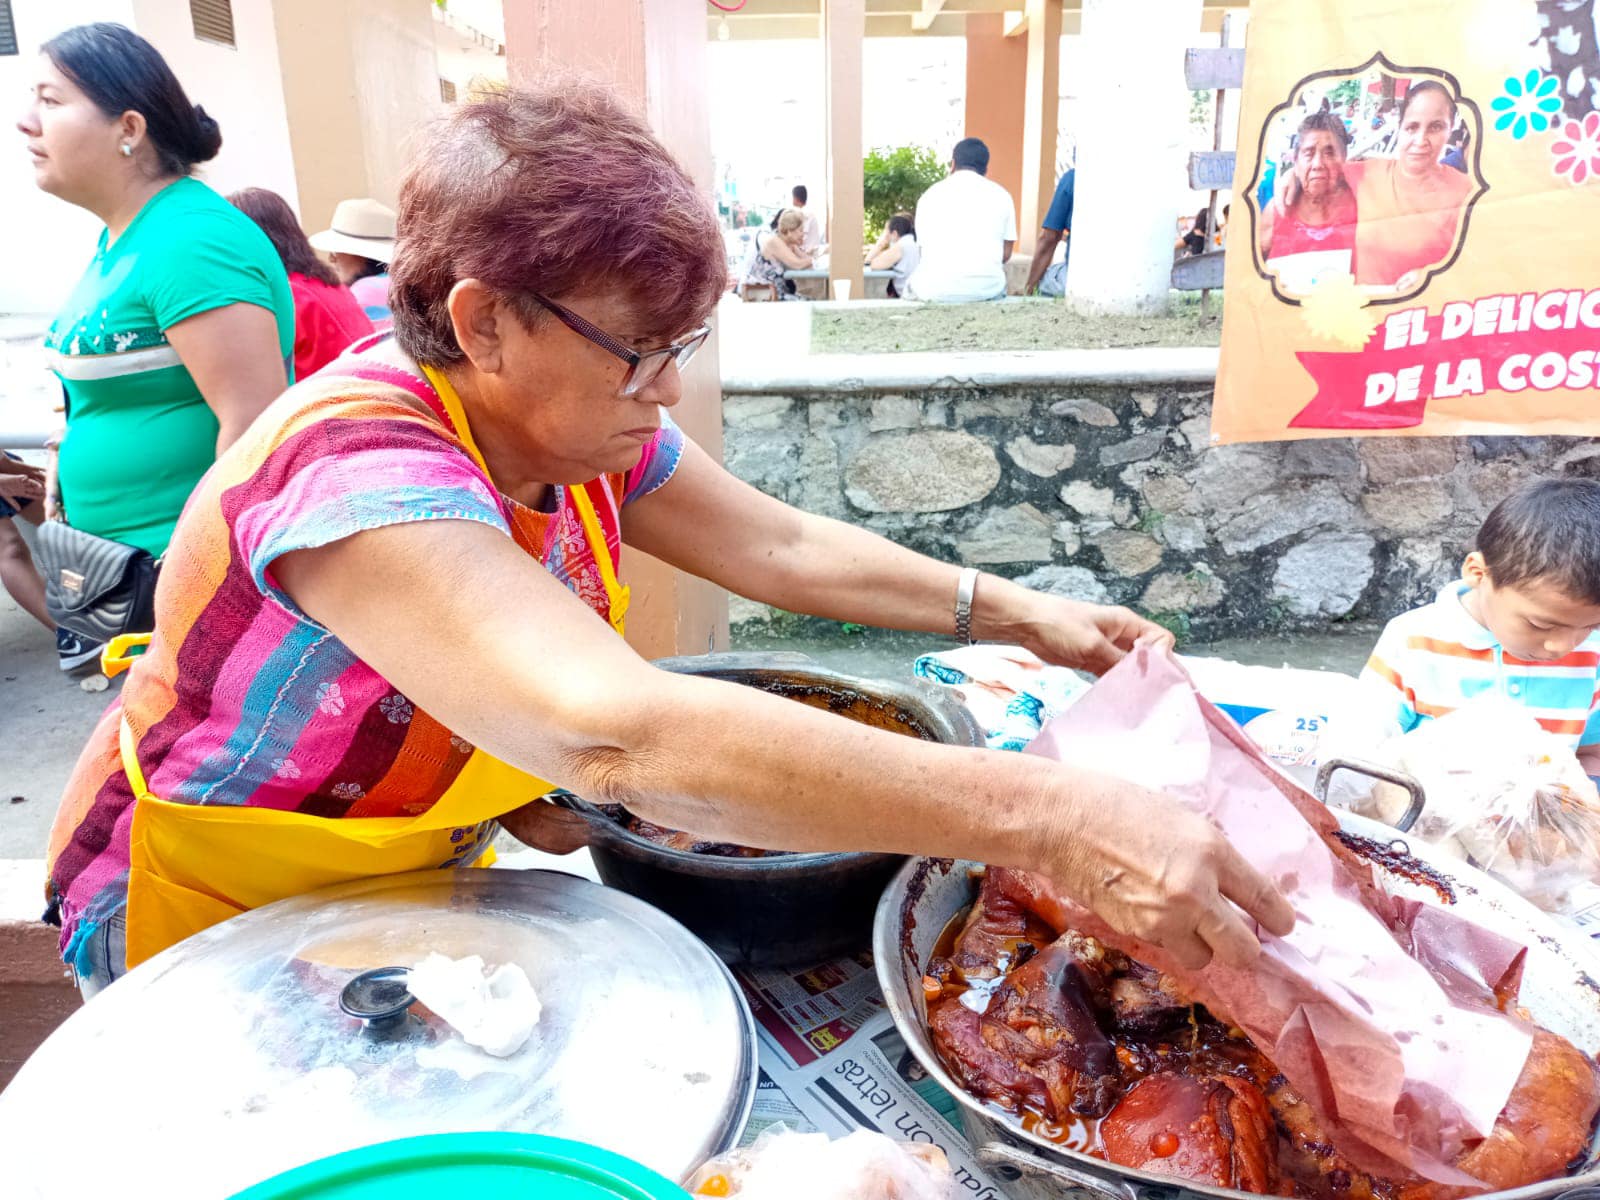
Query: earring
[127,150]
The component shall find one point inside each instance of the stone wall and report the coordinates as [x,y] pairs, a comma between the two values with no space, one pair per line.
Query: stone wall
[1112,493]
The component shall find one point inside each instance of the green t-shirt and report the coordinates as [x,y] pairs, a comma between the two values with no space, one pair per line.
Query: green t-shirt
[139,434]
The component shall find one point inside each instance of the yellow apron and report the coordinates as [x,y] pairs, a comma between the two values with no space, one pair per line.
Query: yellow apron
[195,865]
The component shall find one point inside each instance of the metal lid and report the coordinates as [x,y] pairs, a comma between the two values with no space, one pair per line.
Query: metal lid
[228,1059]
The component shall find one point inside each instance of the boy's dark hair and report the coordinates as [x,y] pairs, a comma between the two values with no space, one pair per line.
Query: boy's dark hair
[901,223]
[800,194]
[971,155]
[1548,531]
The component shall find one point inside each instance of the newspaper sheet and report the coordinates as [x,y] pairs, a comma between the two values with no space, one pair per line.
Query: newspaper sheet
[832,1060]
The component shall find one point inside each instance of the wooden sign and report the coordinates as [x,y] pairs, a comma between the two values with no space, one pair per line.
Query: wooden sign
[1205,70]
[1211,170]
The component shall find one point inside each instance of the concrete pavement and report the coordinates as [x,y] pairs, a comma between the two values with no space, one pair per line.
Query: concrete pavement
[45,718]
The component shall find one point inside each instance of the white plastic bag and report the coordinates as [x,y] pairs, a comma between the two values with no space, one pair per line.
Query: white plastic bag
[1502,794]
[784,1165]
[1298,718]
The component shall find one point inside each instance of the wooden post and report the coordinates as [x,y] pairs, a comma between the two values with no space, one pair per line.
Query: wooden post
[844,29]
[653,52]
[1040,117]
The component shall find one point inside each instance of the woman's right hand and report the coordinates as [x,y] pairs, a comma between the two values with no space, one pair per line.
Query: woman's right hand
[1153,869]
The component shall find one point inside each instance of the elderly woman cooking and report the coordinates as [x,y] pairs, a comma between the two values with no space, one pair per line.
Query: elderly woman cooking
[390,614]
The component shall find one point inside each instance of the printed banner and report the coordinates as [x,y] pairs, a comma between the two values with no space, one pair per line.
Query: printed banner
[1420,191]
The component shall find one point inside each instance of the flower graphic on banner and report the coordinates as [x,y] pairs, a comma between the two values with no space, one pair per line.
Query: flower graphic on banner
[1528,104]
[1577,149]
[1336,309]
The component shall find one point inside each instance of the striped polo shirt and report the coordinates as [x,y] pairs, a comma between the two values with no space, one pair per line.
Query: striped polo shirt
[1435,659]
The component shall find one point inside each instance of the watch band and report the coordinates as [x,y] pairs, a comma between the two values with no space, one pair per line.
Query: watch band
[965,587]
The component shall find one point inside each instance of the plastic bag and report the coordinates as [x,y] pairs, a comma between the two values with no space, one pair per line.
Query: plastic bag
[1299,718]
[784,1165]
[1503,794]
[1009,691]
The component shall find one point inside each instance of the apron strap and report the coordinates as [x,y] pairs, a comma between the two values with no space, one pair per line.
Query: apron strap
[617,595]
[130,759]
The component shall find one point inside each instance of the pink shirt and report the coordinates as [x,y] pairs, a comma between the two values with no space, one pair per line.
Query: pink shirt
[372,293]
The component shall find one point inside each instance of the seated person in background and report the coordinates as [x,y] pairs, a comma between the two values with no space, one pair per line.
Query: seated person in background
[1455,154]
[361,243]
[22,495]
[967,227]
[1048,276]
[327,317]
[778,250]
[1194,241]
[1521,622]
[896,251]
[811,231]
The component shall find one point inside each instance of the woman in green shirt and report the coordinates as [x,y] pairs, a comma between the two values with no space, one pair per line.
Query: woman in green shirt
[181,328]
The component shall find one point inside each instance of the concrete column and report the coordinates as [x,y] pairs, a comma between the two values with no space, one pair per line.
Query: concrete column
[997,76]
[654,52]
[844,29]
[1043,95]
[360,77]
[1132,163]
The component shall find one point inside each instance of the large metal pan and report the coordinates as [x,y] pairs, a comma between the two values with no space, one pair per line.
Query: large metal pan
[1559,989]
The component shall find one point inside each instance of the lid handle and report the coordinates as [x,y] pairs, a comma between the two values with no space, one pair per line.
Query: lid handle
[378,998]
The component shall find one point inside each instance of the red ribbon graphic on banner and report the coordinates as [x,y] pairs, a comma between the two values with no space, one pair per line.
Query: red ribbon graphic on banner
[1409,361]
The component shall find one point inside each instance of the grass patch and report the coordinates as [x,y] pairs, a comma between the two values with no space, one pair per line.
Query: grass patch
[1031,324]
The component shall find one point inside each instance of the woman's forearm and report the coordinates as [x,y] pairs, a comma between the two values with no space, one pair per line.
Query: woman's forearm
[873,581]
[739,765]
[706,522]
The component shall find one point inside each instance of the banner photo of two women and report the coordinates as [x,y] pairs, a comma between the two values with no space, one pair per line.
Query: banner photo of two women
[1422,184]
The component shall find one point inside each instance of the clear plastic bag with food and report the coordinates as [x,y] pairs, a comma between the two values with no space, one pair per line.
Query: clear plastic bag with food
[1504,794]
[782,1164]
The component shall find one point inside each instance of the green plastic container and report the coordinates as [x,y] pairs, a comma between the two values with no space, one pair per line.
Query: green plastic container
[484,1166]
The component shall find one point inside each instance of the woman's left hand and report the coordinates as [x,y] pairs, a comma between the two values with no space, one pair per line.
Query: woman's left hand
[1089,637]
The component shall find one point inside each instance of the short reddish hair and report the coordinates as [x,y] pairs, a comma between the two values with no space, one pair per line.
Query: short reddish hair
[558,189]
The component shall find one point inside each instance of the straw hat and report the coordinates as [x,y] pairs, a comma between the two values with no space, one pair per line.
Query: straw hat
[361,227]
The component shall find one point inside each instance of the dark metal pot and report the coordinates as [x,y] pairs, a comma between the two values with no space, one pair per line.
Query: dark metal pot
[794,910]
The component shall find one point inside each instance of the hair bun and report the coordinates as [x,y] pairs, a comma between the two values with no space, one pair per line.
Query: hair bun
[209,139]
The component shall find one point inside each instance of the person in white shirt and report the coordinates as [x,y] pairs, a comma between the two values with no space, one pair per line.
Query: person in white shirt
[811,229]
[966,227]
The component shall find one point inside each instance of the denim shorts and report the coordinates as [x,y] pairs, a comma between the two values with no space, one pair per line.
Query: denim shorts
[103,957]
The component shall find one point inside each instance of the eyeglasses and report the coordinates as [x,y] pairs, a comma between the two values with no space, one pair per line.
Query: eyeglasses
[643,369]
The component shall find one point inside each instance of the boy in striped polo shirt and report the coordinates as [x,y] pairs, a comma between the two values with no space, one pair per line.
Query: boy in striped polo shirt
[1521,622]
